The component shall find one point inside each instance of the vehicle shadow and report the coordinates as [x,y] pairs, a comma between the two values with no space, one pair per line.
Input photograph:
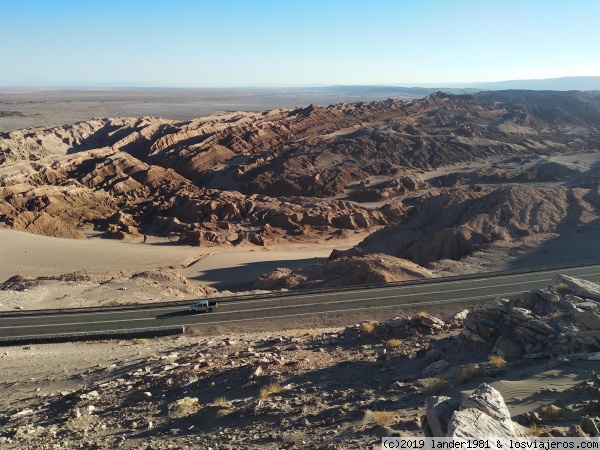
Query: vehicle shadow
[173,315]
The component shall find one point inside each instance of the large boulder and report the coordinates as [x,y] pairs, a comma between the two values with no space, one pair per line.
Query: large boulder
[472,423]
[483,414]
[439,410]
[507,347]
[577,286]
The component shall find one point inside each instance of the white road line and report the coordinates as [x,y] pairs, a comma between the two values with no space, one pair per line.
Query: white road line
[472,280]
[307,305]
[369,291]
[433,302]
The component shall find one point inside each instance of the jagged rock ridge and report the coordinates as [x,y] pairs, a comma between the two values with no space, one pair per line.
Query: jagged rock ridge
[247,177]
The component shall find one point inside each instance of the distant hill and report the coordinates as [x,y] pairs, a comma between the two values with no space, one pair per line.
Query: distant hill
[408,92]
[548,84]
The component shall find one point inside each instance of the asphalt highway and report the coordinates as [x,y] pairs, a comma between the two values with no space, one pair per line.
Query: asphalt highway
[264,309]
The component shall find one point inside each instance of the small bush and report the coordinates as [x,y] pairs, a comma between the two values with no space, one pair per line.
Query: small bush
[436,386]
[422,314]
[551,412]
[381,418]
[393,343]
[368,327]
[497,361]
[272,388]
[556,314]
[221,401]
[534,430]
[140,341]
[183,407]
[468,373]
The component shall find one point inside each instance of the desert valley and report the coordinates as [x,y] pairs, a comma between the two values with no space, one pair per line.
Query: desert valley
[116,211]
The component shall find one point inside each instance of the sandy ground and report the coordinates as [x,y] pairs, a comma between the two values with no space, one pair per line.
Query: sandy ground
[225,268]
[33,255]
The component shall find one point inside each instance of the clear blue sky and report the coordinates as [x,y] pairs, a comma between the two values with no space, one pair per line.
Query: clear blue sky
[294,42]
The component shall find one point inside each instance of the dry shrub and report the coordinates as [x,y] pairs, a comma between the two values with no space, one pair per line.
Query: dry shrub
[436,386]
[381,418]
[551,412]
[270,389]
[468,373]
[183,407]
[221,401]
[393,343]
[534,430]
[556,314]
[422,314]
[140,341]
[497,361]
[368,327]
[562,288]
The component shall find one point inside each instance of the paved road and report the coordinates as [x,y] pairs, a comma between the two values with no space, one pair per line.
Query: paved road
[264,309]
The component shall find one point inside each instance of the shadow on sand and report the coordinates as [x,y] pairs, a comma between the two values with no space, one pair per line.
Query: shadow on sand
[242,277]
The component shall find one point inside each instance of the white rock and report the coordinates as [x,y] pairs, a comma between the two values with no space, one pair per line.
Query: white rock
[89,395]
[22,413]
[472,423]
[488,400]
[257,372]
[577,286]
[483,414]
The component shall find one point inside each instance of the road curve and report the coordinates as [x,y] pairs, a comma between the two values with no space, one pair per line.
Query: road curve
[241,309]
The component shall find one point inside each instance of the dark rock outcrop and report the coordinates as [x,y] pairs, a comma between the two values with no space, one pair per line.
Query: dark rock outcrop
[540,323]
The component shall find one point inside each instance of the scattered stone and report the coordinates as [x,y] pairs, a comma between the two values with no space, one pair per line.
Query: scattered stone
[506,347]
[591,425]
[436,368]
[433,355]
[89,395]
[22,413]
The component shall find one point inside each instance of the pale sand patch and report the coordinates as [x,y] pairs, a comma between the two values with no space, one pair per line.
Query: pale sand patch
[530,386]
[238,268]
[32,255]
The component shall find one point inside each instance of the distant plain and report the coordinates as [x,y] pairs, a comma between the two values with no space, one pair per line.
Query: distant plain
[34,107]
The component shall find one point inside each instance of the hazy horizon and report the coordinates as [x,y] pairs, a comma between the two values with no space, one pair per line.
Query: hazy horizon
[585,80]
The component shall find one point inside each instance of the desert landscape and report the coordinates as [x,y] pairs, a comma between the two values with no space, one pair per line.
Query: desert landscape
[521,367]
[113,211]
[290,198]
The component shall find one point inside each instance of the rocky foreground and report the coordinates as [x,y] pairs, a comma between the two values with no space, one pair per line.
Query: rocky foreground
[316,388]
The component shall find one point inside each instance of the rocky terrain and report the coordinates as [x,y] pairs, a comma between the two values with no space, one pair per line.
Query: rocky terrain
[432,180]
[468,374]
[92,289]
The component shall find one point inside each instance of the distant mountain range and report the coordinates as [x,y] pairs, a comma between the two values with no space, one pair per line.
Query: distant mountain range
[591,83]
[549,84]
